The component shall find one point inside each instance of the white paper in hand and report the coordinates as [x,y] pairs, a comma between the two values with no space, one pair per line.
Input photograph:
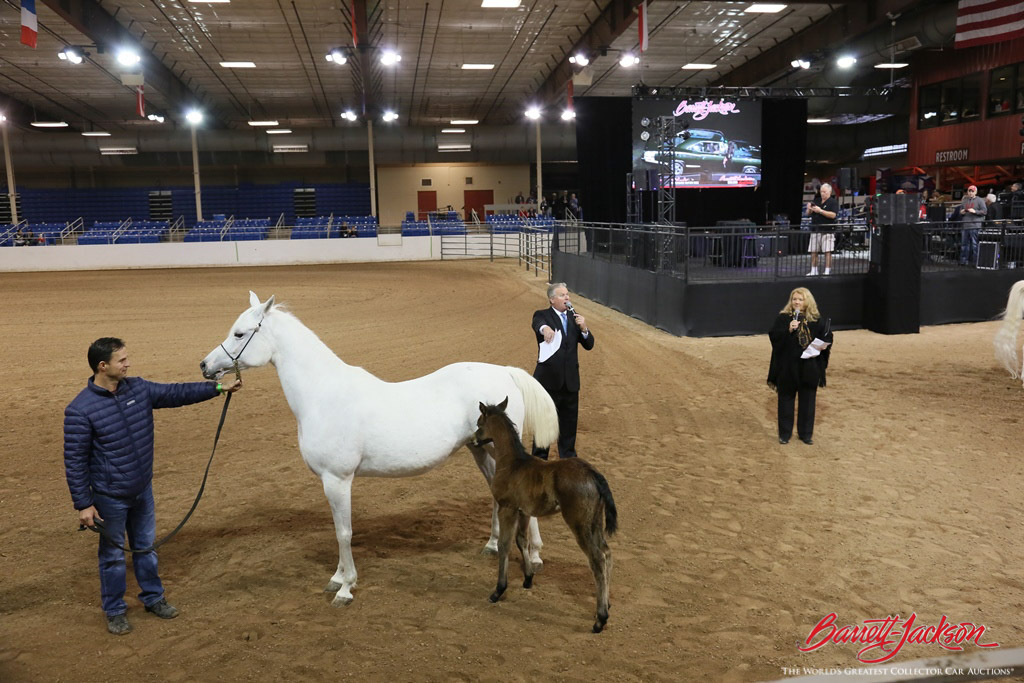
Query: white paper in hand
[547,349]
[814,348]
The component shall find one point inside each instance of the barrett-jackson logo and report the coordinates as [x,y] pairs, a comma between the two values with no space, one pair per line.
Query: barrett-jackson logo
[948,155]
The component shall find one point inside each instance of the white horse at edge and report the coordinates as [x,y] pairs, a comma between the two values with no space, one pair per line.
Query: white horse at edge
[1007,349]
[352,423]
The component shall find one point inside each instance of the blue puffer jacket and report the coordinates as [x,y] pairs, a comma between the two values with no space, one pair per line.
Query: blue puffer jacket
[108,437]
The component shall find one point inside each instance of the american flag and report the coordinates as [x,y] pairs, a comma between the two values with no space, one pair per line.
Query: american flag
[641,25]
[979,22]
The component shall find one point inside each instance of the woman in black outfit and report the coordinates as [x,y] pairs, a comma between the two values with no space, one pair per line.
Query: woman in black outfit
[797,325]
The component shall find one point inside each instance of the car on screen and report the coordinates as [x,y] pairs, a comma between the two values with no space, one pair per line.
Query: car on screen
[699,147]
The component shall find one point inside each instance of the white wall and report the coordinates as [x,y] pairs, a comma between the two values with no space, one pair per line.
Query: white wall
[397,186]
[216,254]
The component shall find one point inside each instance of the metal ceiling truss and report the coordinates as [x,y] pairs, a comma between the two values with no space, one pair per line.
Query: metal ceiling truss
[756,92]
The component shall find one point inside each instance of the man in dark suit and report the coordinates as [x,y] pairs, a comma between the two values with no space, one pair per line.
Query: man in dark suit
[560,374]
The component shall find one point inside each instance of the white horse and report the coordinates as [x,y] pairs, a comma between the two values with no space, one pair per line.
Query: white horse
[346,416]
[1006,338]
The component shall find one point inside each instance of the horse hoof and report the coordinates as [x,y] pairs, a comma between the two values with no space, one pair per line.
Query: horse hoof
[490,549]
[598,627]
[538,565]
[495,597]
[342,601]
[528,582]
[332,587]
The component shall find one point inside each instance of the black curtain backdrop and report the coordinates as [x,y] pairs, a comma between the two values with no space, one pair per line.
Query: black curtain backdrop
[604,150]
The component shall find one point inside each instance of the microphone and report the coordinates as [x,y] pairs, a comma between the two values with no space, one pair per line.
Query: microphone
[569,309]
[796,314]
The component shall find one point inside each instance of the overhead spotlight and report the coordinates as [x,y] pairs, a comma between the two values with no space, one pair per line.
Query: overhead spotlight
[568,115]
[654,91]
[194,116]
[579,59]
[629,59]
[846,61]
[800,64]
[155,117]
[336,56]
[71,54]
[533,113]
[390,58]
[349,115]
[389,116]
[126,57]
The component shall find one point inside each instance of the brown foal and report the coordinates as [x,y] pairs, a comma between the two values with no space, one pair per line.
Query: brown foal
[525,486]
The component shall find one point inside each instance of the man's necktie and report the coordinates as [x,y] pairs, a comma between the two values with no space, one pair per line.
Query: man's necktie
[565,323]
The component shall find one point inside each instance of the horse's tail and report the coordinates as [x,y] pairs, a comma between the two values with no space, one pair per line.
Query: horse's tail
[541,417]
[611,515]
[1006,338]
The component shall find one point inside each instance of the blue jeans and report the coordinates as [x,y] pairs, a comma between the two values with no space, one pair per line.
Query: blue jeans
[968,247]
[137,516]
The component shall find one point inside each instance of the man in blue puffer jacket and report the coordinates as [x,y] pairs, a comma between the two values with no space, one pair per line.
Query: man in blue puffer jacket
[108,460]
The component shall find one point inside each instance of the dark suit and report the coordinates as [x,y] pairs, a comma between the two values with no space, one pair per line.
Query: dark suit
[560,376]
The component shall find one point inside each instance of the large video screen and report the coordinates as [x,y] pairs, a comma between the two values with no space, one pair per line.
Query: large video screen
[717,143]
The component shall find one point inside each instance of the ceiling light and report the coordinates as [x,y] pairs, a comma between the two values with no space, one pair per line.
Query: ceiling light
[238,65]
[389,116]
[49,124]
[568,115]
[579,59]
[533,113]
[279,131]
[891,65]
[818,120]
[390,58]
[463,122]
[454,148]
[697,65]
[800,64]
[209,1]
[336,56]
[478,67]
[109,151]
[628,60]
[155,117]
[765,8]
[290,149]
[127,57]
[2,118]
[349,115]
[71,54]
[846,61]
[262,123]
[96,134]
[194,116]
[507,4]
[453,130]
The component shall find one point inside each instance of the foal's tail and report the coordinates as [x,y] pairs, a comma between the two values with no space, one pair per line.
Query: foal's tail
[541,416]
[1006,338]
[611,515]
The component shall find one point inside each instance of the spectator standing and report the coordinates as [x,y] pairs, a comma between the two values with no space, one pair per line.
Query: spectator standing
[972,214]
[823,211]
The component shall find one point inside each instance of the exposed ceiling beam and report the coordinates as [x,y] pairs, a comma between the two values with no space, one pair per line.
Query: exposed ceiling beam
[18,113]
[364,80]
[609,25]
[848,22]
[90,19]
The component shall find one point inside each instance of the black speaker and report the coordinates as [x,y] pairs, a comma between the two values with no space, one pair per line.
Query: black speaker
[892,292]
[898,209]
[847,180]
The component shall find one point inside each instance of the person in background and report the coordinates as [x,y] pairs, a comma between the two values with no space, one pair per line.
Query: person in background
[108,462]
[972,214]
[519,198]
[797,325]
[823,212]
[993,209]
[560,374]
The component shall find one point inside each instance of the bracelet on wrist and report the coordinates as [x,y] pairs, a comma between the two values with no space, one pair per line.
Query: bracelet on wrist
[220,388]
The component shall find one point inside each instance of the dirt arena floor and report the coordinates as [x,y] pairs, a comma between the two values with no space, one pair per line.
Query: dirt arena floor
[731,547]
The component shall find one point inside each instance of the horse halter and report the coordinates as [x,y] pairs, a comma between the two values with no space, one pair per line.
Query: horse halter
[234,359]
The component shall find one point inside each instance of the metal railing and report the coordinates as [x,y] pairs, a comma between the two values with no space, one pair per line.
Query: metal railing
[949,246]
[716,253]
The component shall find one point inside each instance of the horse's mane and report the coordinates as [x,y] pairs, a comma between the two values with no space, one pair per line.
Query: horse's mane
[519,452]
